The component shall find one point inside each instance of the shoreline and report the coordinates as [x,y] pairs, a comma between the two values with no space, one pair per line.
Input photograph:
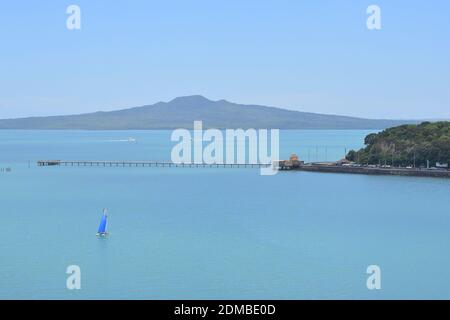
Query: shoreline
[330,168]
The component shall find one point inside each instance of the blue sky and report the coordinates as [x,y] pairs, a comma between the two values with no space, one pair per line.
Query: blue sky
[315,56]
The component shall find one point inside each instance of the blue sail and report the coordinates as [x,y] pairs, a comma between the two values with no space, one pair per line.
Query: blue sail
[103,222]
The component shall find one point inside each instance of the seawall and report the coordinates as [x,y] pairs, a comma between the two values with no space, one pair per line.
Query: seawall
[375,171]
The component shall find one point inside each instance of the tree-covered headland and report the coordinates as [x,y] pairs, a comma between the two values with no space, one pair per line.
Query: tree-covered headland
[406,145]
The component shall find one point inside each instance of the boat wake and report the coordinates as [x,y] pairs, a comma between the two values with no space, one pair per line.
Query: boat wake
[130,139]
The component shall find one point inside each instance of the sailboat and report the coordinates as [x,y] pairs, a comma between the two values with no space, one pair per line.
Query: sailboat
[103,224]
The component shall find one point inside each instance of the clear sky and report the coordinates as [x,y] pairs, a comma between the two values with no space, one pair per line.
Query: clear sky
[310,55]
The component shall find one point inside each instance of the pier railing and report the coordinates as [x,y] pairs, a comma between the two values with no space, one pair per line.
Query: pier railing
[90,163]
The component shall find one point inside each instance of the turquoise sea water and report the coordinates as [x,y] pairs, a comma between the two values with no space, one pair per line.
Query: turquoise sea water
[181,233]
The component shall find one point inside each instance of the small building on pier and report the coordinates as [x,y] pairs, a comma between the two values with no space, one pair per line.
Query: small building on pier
[292,163]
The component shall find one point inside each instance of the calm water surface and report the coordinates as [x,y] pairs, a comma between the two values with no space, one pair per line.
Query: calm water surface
[180,233]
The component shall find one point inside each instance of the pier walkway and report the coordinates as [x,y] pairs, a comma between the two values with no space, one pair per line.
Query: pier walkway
[90,163]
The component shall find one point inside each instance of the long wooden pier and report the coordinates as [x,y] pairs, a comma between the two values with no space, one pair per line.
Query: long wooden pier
[90,163]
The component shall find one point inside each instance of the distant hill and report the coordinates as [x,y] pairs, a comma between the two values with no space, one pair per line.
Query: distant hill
[407,145]
[181,113]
